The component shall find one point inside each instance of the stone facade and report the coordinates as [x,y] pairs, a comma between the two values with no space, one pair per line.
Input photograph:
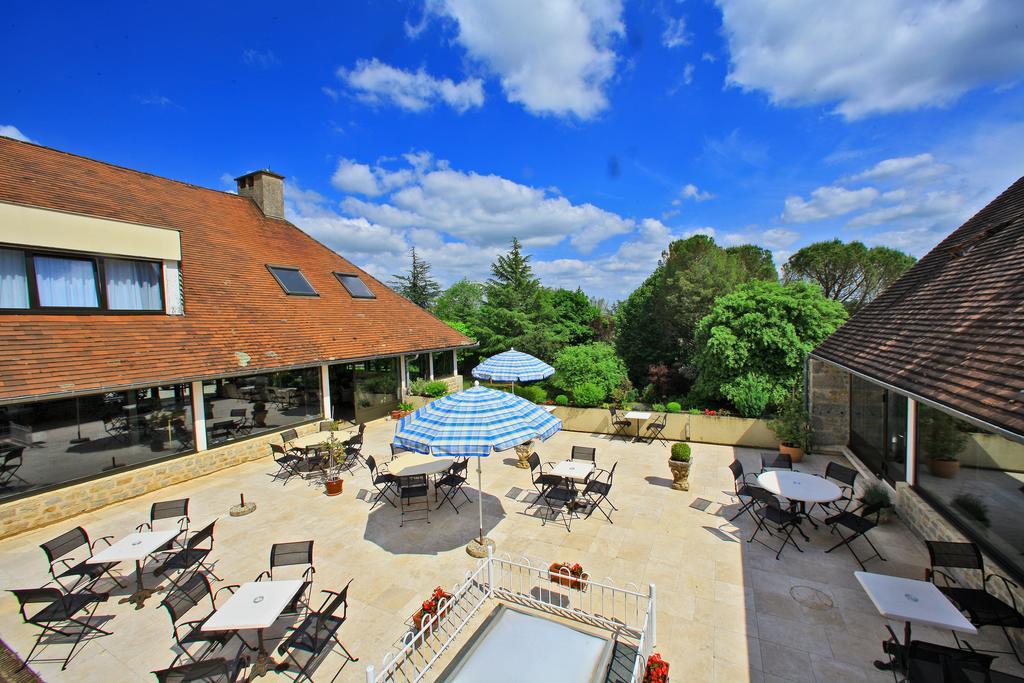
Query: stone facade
[53,506]
[829,394]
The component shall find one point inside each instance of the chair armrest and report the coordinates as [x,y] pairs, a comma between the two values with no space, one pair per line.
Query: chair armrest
[230,589]
[144,525]
[1007,583]
[64,561]
[308,574]
[930,576]
[264,574]
[92,546]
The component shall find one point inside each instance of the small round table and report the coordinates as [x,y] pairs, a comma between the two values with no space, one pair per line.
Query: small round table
[408,464]
[801,488]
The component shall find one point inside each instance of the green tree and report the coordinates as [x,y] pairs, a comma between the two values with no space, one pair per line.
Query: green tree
[512,284]
[573,316]
[756,261]
[460,301]
[417,286]
[594,364]
[638,336]
[753,343]
[850,273]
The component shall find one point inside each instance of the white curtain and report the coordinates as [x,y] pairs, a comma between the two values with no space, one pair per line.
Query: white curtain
[13,283]
[65,282]
[133,285]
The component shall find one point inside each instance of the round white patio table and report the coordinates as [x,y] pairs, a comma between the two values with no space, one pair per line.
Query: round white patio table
[317,438]
[408,464]
[801,488]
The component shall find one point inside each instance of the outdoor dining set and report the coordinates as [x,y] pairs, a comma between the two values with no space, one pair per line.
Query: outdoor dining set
[571,486]
[168,546]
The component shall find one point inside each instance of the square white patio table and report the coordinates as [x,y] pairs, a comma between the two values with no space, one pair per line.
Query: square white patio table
[255,605]
[137,546]
[575,470]
[639,416]
[910,600]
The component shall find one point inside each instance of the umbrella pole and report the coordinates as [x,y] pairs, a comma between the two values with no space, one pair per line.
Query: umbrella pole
[480,497]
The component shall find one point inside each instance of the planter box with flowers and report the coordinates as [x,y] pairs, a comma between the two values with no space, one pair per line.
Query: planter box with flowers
[657,669]
[403,410]
[438,604]
[569,575]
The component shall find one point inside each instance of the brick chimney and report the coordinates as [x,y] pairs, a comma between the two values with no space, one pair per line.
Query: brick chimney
[266,188]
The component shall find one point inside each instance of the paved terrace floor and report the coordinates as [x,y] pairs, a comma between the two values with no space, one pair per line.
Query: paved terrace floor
[726,610]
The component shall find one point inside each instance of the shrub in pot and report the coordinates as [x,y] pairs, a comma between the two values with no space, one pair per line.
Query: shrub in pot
[673,407]
[561,400]
[940,440]
[259,414]
[333,453]
[876,494]
[792,427]
[679,464]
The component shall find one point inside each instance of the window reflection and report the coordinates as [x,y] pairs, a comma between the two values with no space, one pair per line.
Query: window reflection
[240,406]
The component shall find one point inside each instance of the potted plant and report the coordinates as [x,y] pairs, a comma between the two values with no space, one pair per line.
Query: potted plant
[259,414]
[333,453]
[876,494]
[436,604]
[974,508]
[523,452]
[402,410]
[569,575]
[679,463]
[940,439]
[792,427]
[656,670]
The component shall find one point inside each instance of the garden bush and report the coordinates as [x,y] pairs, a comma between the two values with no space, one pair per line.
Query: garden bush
[418,387]
[562,400]
[673,407]
[534,394]
[588,395]
[658,407]
[595,364]
[435,389]
[681,452]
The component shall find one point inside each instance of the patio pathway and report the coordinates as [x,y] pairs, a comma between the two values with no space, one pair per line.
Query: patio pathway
[727,610]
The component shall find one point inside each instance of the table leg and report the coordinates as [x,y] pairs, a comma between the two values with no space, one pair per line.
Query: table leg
[264,662]
[899,656]
[138,598]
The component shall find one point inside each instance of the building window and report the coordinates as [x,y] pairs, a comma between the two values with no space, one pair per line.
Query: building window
[354,285]
[13,280]
[416,368]
[975,478]
[66,282]
[241,406]
[444,364]
[133,285]
[292,281]
[52,443]
[878,428]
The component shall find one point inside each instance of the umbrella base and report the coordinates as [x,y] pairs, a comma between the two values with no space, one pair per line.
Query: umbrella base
[478,550]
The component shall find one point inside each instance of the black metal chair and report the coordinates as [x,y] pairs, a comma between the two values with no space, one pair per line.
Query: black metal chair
[397,450]
[318,632]
[561,501]
[857,521]
[541,480]
[410,489]
[596,492]
[326,425]
[619,425]
[59,616]
[451,483]
[292,554]
[190,557]
[12,461]
[287,436]
[66,563]
[243,425]
[769,511]
[218,669]
[743,489]
[981,606]
[653,430]
[180,601]
[586,453]
[168,509]
[287,463]
[845,478]
[382,480]
[771,460]
[924,662]
[353,452]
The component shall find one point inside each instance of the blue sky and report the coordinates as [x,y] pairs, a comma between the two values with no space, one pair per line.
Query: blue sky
[594,131]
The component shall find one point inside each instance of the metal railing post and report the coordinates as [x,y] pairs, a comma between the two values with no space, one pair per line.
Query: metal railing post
[370,678]
[654,619]
[490,572]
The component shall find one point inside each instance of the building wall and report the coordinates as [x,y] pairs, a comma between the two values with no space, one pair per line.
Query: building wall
[53,506]
[829,394]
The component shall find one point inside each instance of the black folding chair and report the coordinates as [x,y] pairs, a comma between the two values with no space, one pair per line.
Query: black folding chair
[318,632]
[924,662]
[293,553]
[12,461]
[382,480]
[653,430]
[180,601]
[59,616]
[397,450]
[775,461]
[287,463]
[353,448]
[218,669]
[67,555]
[743,489]
[561,501]
[981,607]
[243,425]
[541,480]
[191,557]
[451,483]
[586,453]
[858,525]
[287,436]
[845,478]
[410,489]
[176,510]
[596,492]
[769,511]
[620,425]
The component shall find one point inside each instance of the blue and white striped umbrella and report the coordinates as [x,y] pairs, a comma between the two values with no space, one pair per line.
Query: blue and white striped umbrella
[513,366]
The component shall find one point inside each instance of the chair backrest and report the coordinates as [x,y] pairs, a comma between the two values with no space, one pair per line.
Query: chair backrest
[780,461]
[953,554]
[534,461]
[30,596]
[206,533]
[765,497]
[362,428]
[931,662]
[11,454]
[66,543]
[289,434]
[331,608]
[613,411]
[180,599]
[169,509]
[841,473]
[395,450]
[218,669]
[412,481]
[459,468]
[371,463]
[237,412]
[736,467]
[278,451]
[294,552]
[587,453]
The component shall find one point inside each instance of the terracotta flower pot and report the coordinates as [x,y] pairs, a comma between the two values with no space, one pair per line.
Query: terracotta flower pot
[795,453]
[421,616]
[334,487]
[567,580]
[944,469]
[680,475]
[396,414]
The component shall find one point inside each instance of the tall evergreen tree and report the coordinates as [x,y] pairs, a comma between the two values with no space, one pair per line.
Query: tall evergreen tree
[512,284]
[417,286]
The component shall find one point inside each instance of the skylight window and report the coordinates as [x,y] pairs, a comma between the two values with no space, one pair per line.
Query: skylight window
[292,281]
[355,286]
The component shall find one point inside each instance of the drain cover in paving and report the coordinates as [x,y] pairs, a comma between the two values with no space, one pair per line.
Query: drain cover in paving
[700,504]
[811,598]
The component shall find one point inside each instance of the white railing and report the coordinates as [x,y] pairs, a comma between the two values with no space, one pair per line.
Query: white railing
[625,612]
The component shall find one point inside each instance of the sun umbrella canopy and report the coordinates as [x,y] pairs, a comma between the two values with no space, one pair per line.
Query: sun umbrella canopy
[513,366]
[474,422]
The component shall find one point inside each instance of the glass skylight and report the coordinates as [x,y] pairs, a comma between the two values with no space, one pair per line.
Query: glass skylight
[355,286]
[292,280]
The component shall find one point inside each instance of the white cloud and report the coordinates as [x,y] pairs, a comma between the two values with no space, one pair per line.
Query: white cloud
[675,34]
[352,176]
[376,82]
[691,191]
[920,166]
[688,74]
[827,202]
[918,207]
[708,57]
[773,238]
[12,132]
[265,59]
[551,56]
[872,57]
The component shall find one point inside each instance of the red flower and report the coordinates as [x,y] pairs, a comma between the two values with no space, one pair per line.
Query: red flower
[657,669]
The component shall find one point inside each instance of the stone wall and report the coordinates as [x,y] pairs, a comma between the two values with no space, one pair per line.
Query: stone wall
[53,506]
[729,431]
[830,405]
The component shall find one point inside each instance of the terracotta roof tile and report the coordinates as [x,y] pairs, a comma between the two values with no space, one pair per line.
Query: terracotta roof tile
[232,303]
